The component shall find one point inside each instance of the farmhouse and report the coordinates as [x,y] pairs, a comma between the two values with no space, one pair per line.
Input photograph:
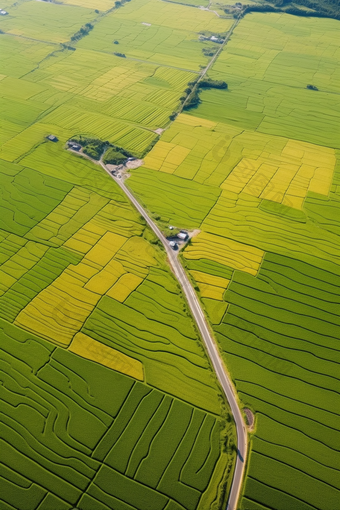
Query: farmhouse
[184,236]
[52,138]
[74,146]
[216,39]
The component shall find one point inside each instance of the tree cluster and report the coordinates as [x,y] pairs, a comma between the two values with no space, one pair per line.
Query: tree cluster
[212,84]
[322,9]
[82,32]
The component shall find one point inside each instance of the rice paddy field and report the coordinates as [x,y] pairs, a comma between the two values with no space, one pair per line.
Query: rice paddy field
[255,169]
[108,398]
[270,60]
[149,30]
[101,363]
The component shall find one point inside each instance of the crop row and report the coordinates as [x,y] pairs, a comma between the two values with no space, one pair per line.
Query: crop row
[245,222]
[288,113]
[185,204]
[60,310]
[27,197]
[45,22]
[70,411]
[290,60]
[27,55]
[42,274]
[157,39]
[138,333]
[226,252]
[285,362]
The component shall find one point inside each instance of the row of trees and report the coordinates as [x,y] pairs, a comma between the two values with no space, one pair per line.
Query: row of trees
[322,9]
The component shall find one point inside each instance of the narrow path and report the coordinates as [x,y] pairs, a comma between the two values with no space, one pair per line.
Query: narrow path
[212,61]
[213,351]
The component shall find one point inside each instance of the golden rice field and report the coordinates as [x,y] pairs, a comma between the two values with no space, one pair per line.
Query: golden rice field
[108,398]
[256,168]
[268,63]
[81,280]
[271,168]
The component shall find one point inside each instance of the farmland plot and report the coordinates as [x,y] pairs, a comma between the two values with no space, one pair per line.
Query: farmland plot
[45,21]
[266,261]
[82,434]
[85,297]
[268,64]
[282,328]
[148,30]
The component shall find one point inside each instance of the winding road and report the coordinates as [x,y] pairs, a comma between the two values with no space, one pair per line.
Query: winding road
[213,352]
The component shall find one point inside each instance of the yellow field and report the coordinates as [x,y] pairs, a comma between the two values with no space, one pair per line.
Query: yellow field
[166,157]
[265,166]
[101,5]
[136,256]
[210,286]
[58,312]
[66,218]
[106,278]
[103,251]
[286,177]
[125,285]
[88,348]
[225,251]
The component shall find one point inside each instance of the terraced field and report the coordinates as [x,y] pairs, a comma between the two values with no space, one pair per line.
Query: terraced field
[82,434]
[87,300]
[256,169]
[108,397]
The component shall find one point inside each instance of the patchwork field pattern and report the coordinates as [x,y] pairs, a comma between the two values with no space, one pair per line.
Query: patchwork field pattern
[108,398]
[85,284]
[81,434]
[47,22]
[268,63]
[280,336]
[149,30]
[256,169]
[120,82]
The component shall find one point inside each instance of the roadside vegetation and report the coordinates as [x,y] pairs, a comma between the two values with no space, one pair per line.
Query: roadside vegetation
[256,169]
[100,354]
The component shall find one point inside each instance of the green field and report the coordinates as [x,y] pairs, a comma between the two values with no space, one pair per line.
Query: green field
[270,60]
[256,169]
[79,433]
[108,397]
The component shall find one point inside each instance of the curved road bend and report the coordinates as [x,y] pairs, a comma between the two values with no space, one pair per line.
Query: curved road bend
[196,310]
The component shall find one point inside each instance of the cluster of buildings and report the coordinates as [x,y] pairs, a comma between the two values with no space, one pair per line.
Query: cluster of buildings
[182,237]
[213,38]
[74,146]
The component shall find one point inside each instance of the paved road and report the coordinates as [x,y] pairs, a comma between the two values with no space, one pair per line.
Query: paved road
[211,62]
[212,349]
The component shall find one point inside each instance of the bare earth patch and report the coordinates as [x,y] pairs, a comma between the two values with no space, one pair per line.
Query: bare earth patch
[250,417]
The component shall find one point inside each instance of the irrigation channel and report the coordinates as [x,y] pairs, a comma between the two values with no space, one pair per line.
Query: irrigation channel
[212,349]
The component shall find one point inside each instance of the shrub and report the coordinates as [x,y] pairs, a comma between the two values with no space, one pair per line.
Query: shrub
[213,84]
[114,157]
